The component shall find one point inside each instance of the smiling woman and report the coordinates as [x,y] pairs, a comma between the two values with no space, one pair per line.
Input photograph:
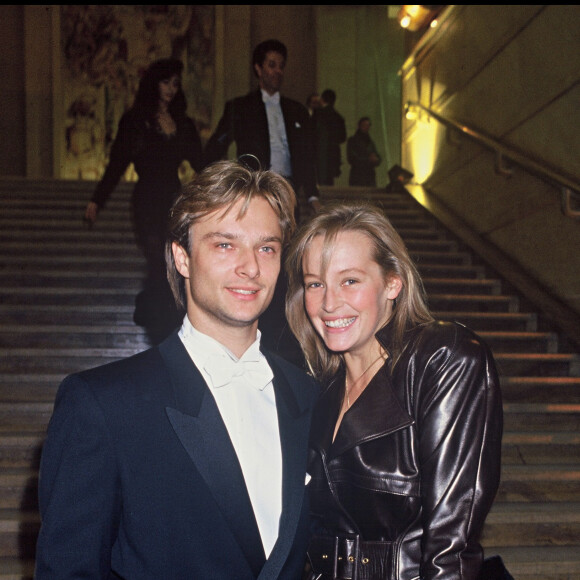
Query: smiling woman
[406,438]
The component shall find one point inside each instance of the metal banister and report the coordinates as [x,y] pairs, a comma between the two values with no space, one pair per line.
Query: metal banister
[568,185]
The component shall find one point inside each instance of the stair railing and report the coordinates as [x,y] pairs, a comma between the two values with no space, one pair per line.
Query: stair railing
[570,188]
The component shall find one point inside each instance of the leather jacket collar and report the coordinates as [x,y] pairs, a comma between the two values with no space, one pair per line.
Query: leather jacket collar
[382,413]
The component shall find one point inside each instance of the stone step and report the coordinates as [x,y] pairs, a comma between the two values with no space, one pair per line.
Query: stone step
[18,229]
[60,233]
[505,321]
[532,524]
[72,213]
[522,342]
[19,488]
[95,247]
[83,297]
[539,483]
[69,336]
[386,198]
[59,205]
[56,278]
[429,232]
[52,360]
[530,342]
[409,221]
[21,451]
[541,417]
[131,265]
[426,257]
[541,448]
[404,212]
[511,364]
[473,302]
[24,418]
[540,562]
[415,245]
[450,285]
[16,569]
[541,389]
[21,387]
[66,314]
[50,188]
[469,271]
[18,533]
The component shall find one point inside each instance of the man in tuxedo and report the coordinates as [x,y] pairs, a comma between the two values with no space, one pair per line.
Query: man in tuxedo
[279,133]
[276,129]
[188,460]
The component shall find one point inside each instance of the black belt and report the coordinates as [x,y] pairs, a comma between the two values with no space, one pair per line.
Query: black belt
[349,558]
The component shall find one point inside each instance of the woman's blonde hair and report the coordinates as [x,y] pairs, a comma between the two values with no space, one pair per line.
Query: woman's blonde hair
[389,252]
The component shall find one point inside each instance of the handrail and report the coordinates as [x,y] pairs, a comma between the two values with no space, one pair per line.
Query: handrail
[504,151]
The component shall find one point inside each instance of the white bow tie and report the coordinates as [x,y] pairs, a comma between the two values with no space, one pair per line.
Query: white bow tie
[275,98]
[222,369]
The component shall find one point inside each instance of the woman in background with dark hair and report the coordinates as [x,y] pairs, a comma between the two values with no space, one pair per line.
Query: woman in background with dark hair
[405,443]
[156,135]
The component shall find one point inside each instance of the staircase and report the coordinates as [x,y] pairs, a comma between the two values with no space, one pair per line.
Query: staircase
[66,303]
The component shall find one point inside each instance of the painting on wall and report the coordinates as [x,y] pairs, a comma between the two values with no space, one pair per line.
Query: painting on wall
[105,49]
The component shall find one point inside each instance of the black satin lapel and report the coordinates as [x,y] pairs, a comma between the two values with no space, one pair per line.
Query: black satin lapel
[188,385]
[376,413]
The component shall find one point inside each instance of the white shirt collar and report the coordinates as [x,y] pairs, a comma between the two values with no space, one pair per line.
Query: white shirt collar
[205,351]
[267,98]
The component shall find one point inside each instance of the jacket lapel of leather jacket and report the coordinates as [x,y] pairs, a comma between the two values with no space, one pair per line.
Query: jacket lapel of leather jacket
[377,412]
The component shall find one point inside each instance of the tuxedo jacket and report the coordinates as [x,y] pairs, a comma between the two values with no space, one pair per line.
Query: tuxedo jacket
[139,478]
[245,121]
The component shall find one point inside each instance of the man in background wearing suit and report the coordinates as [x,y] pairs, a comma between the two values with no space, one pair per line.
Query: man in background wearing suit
[277,130]
[188,460]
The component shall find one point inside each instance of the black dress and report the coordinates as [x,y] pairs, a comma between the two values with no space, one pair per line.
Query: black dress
[156,157]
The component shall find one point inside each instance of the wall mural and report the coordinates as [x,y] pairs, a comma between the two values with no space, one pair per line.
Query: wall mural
[105,49]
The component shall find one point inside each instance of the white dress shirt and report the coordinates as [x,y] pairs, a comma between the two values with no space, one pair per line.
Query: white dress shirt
[248,409]
[279,150]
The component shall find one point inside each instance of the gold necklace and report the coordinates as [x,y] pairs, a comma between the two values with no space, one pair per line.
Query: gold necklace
[358,379]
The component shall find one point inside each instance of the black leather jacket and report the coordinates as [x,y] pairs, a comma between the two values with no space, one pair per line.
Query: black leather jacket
[415,465]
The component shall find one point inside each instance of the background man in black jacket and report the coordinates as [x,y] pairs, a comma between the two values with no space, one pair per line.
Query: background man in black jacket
[275,129]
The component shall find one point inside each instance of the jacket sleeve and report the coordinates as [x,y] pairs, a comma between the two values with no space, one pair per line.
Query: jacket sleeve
[78,495]
[193,148]
[459,420]
[122,154]
[217,146]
